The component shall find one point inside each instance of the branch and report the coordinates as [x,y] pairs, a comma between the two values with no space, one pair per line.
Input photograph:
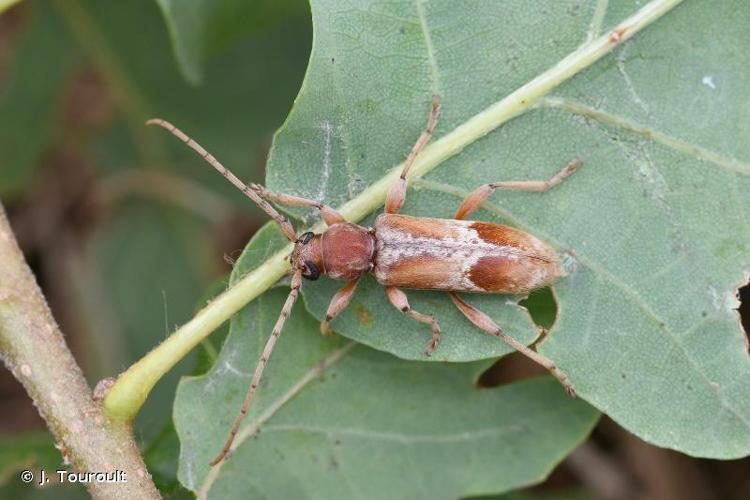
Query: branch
[131,389]
[33,349]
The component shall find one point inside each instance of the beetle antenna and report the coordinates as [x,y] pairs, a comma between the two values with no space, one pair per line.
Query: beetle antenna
[286,226]
[267,350]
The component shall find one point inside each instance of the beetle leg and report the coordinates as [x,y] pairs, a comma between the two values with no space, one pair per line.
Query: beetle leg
[339,302]
[480,194]
[397,194]
[330,216]
[401,302]
[484,322]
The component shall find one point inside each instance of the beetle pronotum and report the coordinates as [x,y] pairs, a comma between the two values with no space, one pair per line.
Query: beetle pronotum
[453,255]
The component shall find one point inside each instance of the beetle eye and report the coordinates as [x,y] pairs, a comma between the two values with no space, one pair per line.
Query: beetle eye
[313,272]
[306,237]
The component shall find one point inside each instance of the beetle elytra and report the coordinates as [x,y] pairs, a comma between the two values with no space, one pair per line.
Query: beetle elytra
[453,255]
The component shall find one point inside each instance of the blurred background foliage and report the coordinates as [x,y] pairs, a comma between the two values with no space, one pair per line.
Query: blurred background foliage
[125,228]
[128,232]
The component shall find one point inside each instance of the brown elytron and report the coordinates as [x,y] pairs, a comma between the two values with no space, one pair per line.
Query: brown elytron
[454,255]
[460,256]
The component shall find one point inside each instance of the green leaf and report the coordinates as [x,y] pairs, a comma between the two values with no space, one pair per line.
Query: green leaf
[161,457]
[34,451]
[27,450]
[200,27]
[367,425]
[654,227]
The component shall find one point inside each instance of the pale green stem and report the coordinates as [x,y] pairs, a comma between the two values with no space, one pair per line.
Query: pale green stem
[6,4]
[128,394]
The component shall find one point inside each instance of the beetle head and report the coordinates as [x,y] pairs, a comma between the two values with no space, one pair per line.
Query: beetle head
[307,256]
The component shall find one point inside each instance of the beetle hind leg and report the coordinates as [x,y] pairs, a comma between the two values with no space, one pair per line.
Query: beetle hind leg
[401,302]
[477,197]
[484,322]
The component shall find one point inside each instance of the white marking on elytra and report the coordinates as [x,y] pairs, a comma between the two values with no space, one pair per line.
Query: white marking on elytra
[708,81]
[466,248]
[537,277]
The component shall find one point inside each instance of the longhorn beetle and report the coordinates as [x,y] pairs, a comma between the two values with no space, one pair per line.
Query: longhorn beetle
[453,255]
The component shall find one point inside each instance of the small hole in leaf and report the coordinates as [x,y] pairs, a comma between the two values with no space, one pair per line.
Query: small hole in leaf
[542,307]
[744,309]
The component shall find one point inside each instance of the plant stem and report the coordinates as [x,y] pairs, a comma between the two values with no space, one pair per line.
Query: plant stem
[128,394]
[33,349]
[7,4]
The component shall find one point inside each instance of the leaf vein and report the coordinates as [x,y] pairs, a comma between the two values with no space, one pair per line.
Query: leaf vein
[743,214]
[725,162]
[432,62]
[406,439]
[592,312]
[595,27]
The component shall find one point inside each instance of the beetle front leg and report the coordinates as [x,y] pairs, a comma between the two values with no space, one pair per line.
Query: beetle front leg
[401,302]
[477,197]
[397,194]
[339,302]
[484,322]
[330,216]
